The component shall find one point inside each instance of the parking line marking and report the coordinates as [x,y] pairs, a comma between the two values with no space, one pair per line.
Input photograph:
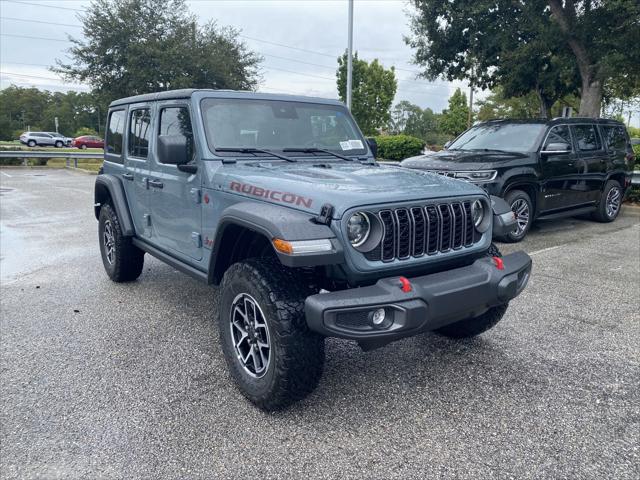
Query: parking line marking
[548,249]
[7,175]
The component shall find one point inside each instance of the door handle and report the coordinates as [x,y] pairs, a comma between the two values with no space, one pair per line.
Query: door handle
[155,184]
[128,176]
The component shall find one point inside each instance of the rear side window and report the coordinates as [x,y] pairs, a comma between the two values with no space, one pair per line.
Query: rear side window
[115,132]
[139,130]
[615,137]
[176,121]
[558,134]
[587,138]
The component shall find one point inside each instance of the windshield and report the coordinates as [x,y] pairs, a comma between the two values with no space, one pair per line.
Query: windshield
[514,137]
[276,125]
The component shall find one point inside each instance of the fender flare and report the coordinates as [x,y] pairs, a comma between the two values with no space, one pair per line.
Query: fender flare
[110,187]
[504,220]
[273,221]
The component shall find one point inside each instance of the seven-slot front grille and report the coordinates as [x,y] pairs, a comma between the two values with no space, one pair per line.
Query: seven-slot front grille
[424,230]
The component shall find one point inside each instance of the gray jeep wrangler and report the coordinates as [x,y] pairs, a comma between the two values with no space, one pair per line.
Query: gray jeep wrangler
[279,200]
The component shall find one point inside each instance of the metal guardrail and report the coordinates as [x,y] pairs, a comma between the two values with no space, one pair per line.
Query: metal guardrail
[75,156]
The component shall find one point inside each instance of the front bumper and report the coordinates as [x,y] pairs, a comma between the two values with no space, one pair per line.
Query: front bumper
[433,301]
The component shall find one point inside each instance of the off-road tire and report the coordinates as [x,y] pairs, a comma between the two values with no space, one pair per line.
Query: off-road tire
[601,214]
[297,353]
[470,327]
[128,260]
[512,197]
[32,143]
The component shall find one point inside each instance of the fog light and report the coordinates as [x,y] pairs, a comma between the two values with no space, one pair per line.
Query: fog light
[378,316]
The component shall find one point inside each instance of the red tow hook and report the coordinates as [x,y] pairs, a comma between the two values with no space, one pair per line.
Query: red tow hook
[405,284]
[499,263]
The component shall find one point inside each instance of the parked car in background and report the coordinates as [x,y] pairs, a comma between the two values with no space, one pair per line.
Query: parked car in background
[87,141]
[47,139]
[543,169]
[66,140]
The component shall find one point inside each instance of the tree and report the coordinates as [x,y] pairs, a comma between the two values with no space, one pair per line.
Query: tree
[372,95]
[139,46]
[529,45]
[454,119]
[410,119]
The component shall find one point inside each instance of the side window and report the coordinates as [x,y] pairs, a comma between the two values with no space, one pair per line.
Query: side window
[115,132]
[176,122]
[587,138]
[139,130]
[614,137]
[558,134]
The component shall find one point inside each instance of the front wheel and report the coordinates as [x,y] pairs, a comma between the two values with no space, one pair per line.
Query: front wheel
[610,202]
[83,147]
[522,207]
[272,355]
[470,327]
[59,144]
[31,143]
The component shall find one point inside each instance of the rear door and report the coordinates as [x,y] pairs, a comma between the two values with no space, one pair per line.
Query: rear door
[136,164]
[175,206]
[559,171]
[592,162]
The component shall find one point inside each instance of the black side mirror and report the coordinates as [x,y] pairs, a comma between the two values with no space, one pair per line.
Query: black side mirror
[556,148]
[173,149]
[373,146]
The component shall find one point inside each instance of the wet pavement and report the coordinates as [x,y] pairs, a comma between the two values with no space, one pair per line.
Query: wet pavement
[100,380]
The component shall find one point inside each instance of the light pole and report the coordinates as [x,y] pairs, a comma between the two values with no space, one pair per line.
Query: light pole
[349,56]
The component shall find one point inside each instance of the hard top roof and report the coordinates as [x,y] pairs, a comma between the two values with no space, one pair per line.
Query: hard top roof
[210,93]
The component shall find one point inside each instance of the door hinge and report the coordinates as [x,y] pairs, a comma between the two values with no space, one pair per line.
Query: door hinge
[147,219]
[197,239]
[196,195]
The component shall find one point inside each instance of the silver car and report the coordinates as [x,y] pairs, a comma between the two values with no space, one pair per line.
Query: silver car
[44,139]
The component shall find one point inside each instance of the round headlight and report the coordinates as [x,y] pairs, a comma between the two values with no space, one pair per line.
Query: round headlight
[477,213]
[358,228]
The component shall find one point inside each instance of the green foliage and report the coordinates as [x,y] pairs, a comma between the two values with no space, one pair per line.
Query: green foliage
[372,93]
[398,147]
[497,105]
[21,108]
[131,47]
[552,48]
[634,132]
[454,119]
[81,132]
[410,119]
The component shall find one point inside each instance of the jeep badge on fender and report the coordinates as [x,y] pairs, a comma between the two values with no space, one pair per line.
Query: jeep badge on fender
[279,200]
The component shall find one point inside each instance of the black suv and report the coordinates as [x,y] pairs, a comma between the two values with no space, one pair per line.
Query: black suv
[543,169]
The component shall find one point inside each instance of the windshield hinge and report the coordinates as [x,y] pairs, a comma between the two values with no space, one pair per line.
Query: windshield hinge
[326,212]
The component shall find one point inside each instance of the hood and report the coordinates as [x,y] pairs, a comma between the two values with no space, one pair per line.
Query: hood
[309,185]
[461,160]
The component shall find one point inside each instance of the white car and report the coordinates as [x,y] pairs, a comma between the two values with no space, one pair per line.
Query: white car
[50,139]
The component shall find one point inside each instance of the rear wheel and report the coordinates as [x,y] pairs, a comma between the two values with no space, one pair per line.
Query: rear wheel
[272,355]
[470,327]
[522,206]
[122,260]
[610,202]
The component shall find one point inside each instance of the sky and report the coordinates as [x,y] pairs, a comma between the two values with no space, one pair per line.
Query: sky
[300,41]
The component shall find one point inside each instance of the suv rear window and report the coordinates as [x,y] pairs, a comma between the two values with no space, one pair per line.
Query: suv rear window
[615,137]
[587,137]
[115,132]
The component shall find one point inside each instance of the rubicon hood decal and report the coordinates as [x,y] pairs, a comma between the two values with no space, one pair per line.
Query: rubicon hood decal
[275,195]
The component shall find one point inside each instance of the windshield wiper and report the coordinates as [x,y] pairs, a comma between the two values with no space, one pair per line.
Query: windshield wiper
[490,150]
[317,150]
[254,151]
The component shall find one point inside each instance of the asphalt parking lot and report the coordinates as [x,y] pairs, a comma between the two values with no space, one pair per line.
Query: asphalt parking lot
[100,380]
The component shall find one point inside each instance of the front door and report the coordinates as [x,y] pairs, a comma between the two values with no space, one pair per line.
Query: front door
[592,162]
[175,196]
[559,171]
